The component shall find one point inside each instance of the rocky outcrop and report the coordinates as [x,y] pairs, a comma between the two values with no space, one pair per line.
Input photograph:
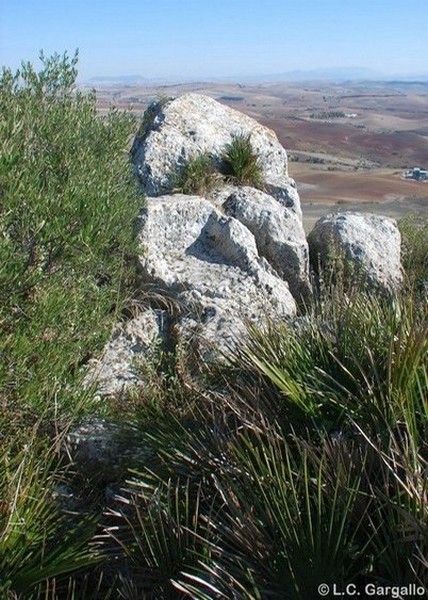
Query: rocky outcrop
[236,256]
[370,243]
[177,130]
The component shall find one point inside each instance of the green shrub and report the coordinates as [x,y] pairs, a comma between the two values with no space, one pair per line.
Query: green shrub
[298,467]
[67,204]
[197,176]
[241,163]
[414,249]
[38,543]
[356,357]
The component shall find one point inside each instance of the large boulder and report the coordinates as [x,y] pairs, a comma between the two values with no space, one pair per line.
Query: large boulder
[177,130]
[211,263]
[370,243]
[278,233]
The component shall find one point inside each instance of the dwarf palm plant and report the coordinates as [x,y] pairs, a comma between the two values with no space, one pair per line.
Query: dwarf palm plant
[304,512]
[197,176]
[241,163]
[295,472]
[38,544]
[359,357]
[225,508]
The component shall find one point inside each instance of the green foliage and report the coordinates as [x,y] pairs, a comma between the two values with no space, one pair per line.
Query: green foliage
[241,163]
[66,197]
[356,357]
[197,176]
[303,519]
[159,534]
[414,245]
[37,542]
[302,461]
[67,201]
[200,174]
[300,469]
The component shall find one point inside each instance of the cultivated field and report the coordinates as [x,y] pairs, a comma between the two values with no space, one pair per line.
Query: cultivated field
[348,144]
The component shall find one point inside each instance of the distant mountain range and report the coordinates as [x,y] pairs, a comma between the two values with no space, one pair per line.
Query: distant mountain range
[327,74]
[118,79]
[333,74]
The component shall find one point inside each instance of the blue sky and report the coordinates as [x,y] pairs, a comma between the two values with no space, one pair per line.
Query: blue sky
[196,38]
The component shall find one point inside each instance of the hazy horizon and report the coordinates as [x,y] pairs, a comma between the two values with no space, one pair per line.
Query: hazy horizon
[193,39]
[322,75]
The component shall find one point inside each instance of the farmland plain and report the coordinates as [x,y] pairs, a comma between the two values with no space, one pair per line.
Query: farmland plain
[348,144]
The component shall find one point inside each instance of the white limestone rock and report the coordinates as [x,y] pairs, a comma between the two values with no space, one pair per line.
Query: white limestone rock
[278,233]
[371,243]
[211,262]
[175,131]
[227,260]
[115,372]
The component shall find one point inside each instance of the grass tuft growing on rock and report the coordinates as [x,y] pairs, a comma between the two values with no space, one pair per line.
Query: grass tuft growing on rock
[197,176]
[241,163]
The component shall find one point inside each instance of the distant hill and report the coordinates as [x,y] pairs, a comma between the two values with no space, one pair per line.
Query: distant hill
[329,74]
[332,74]
[341,74]
[118,79]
